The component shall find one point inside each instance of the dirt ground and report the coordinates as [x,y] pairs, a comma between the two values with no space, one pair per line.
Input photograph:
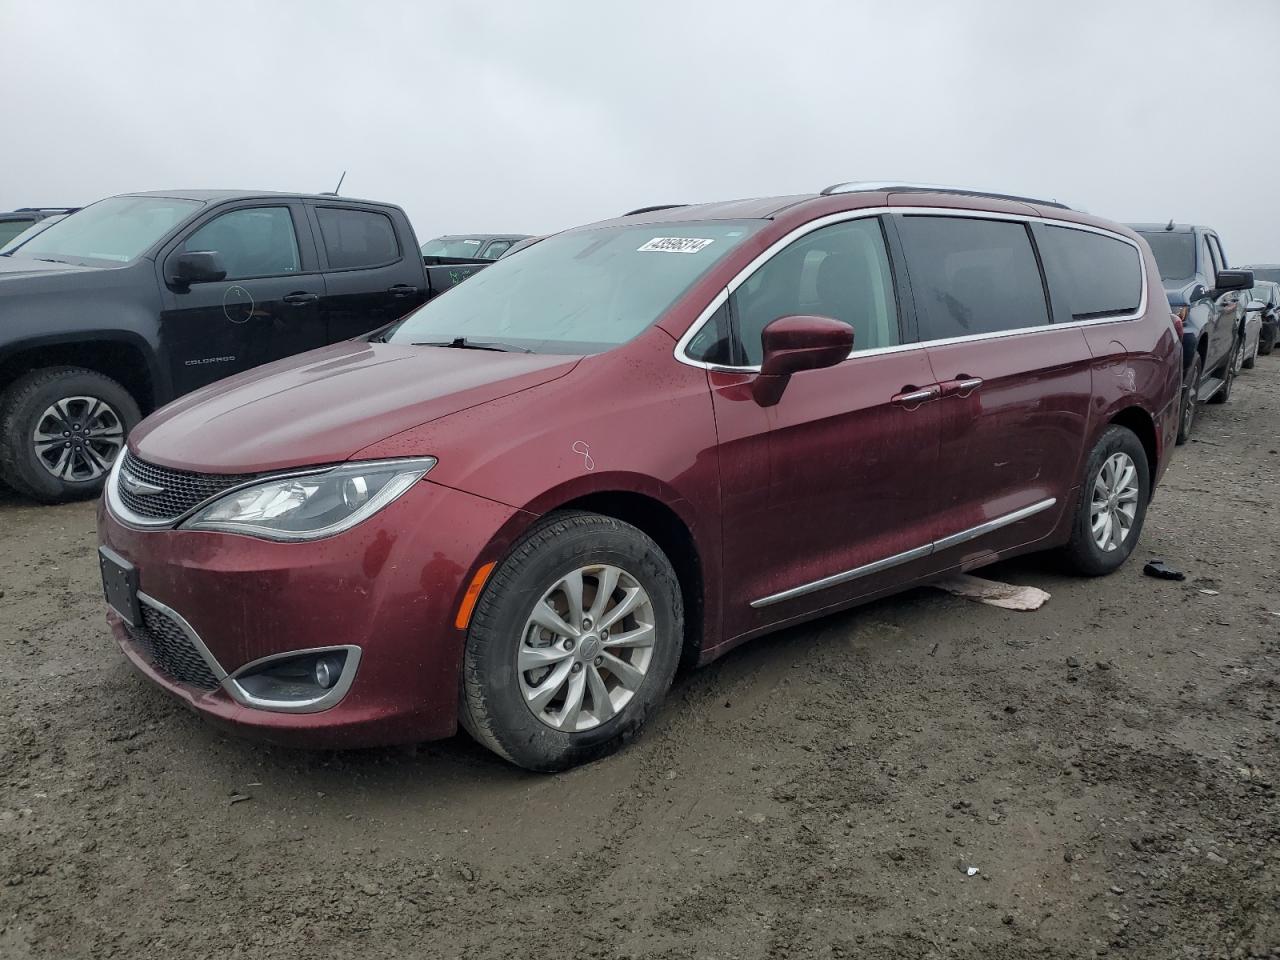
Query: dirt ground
[1108,764]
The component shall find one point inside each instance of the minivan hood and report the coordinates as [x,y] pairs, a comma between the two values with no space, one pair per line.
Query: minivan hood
[325,405]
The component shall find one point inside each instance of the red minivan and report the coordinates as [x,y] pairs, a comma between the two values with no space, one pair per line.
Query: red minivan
[637,444]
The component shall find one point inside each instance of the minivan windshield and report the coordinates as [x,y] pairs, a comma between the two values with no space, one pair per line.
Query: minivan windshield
[115,230]
[580,292]
[1175,253]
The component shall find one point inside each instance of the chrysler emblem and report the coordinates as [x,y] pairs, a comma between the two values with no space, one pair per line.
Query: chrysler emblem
[139,488]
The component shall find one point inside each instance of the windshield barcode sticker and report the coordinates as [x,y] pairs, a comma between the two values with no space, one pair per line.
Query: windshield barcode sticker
[673,245]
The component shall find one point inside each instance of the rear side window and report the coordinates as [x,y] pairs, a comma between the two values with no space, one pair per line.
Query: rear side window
[357,238]
[1102,276]
[972,276]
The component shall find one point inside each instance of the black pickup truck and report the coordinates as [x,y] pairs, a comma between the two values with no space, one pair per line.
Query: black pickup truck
[138,299]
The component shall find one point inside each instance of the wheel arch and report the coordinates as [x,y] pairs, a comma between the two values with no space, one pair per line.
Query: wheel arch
[120,355]
[1136,419]
[674,535]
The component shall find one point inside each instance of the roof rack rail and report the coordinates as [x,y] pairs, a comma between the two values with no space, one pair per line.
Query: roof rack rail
[895,186]
[654,208]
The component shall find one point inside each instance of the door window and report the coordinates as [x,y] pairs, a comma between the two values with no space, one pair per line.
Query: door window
[1219,258]
[1102,275]
[1210,264]
[253,242]
[973,276]
[841,271]
[357,238]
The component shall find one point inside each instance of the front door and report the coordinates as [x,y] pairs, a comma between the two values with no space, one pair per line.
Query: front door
[1015,389]
[827,495]
[267,306]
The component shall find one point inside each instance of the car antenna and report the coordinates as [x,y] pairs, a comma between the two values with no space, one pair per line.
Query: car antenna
[1168,226]
[334,191]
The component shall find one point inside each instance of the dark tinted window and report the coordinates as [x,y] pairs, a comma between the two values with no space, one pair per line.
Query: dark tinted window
[1266,273]
[1102,275]
[1175,254]
[357,238]
[255,242]
[972,276]
[840,271]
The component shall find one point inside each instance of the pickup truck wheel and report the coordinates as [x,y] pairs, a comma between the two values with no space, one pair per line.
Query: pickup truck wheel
[1112,505]
[60,430]
[1229,373]
[1190,401]
[573,643]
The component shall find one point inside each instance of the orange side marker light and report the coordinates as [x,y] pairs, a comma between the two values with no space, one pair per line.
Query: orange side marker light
[463,618]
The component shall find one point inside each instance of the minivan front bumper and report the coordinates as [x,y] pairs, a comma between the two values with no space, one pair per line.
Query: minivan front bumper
[383,596]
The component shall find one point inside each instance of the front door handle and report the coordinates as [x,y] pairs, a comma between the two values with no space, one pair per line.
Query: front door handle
[961,386]
[402,290]
[300,298]
[911,398]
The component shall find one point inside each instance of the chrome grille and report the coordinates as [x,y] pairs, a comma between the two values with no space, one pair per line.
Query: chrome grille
[180,489]
[164,643]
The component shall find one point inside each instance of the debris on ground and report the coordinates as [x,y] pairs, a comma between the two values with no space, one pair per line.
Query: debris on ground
[1162,571]
[992,592]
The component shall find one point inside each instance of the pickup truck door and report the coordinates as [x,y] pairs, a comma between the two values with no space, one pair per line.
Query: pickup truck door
[373,272]
[267,306]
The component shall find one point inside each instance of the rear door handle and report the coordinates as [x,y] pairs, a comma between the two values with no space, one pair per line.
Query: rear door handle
[910,399]
[402,290]
[299,298]
[961,386]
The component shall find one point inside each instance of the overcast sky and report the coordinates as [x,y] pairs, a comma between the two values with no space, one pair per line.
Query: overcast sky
[533,116]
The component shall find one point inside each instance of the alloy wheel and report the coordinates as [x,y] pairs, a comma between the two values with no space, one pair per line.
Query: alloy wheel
[586,648]
[1115,502]
[78,438]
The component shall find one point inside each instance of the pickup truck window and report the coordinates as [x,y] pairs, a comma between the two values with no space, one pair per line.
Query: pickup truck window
[1175,253]
[115,230]
[254,242]
[585,291]
[357,238]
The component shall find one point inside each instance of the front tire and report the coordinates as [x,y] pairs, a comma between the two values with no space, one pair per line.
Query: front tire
[573,643]
[1190,401]
[1112,505]
[60,430]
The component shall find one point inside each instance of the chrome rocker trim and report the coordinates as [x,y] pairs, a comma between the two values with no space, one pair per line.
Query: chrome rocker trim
[918,553]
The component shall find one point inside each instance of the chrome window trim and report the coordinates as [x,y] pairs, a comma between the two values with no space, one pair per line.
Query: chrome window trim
[680,351]
[917,553]
[205,654]
[328,699]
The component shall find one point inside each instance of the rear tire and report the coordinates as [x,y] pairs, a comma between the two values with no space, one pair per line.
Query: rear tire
[1190,403]
[1266,343]
[1109,497]
[60,430]
[551,697]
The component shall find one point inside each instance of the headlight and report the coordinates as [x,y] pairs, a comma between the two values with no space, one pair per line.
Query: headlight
[313,505]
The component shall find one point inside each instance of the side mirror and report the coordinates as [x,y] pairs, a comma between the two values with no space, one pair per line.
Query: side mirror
[1256,305]
[1233,280]
[196,266]
[796,343]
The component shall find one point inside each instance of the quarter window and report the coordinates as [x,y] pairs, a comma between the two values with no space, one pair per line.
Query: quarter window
[357,238]
[841,271]
[254,242]
[973,276]
[1102,276]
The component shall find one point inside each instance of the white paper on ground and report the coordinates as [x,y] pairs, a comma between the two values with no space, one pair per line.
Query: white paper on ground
[992,592]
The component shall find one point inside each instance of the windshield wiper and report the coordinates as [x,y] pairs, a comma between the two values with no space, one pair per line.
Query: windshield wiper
[46,259]
[462,343]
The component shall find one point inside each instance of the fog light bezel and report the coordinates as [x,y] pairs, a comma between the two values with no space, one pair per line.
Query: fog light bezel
[324,698]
